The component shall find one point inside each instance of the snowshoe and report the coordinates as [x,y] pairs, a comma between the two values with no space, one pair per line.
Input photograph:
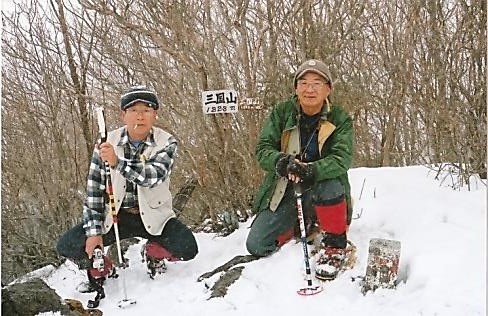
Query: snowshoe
[331,261]
[383,264]
[154,255]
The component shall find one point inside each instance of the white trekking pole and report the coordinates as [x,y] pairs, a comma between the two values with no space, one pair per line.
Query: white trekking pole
[310,289]
[103,136]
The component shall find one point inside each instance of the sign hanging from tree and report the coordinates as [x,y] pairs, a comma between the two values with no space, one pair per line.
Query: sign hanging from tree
[219,101]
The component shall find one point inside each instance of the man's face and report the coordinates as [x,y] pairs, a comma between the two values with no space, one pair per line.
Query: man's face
[139,119]
[312,90]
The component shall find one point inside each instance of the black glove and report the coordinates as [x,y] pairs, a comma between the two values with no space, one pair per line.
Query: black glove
[305,171]
[282,164]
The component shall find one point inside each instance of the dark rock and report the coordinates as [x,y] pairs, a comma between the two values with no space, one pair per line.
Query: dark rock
[31,298]
[229,264]
[78,309]
[222,285]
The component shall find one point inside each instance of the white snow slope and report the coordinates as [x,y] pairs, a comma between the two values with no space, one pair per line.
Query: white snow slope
[442,265]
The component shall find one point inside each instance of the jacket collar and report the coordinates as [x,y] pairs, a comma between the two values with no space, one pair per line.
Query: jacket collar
[323,116]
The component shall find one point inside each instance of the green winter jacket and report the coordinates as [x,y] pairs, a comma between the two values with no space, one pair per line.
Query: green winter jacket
[335,146]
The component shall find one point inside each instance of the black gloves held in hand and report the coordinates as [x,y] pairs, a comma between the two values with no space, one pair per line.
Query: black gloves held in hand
[288,165]
[282,164]
[302,170]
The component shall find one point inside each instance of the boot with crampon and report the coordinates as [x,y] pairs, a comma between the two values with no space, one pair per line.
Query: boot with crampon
[102,268]
[155,255]
[333,254]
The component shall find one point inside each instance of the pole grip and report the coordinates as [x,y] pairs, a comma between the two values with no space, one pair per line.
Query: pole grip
[298,189]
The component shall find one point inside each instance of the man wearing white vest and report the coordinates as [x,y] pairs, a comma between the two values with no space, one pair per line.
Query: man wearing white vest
[141,158]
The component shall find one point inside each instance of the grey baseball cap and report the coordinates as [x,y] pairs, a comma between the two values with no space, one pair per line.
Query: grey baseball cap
[316,66]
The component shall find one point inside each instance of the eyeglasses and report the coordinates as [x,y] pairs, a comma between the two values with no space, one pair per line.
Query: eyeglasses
[134,112]
[315,85]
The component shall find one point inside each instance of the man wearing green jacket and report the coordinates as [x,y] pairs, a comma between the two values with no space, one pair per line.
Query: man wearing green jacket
[308,141]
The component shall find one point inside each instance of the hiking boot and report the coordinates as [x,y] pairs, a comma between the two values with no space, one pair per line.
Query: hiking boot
[102,268]
[155,266]
[330,261]
[154,255]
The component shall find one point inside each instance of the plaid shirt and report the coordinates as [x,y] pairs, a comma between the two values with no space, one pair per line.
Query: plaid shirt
[149,173]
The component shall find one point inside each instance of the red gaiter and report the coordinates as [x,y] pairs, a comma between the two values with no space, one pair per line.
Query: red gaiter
[332,218]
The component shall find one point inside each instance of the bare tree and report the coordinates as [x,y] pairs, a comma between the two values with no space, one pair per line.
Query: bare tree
[412,75]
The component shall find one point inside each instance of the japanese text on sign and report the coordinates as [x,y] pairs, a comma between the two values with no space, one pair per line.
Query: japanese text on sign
[219,101]
[250,104]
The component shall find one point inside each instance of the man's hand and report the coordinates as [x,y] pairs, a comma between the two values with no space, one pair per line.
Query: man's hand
[300,172]
[91,243]
[107,153]
[282,164]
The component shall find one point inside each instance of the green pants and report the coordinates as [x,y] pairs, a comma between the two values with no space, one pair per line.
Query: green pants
[269,229]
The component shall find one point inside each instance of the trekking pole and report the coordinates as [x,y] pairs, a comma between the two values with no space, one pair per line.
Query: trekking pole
[310,289]
[103,136]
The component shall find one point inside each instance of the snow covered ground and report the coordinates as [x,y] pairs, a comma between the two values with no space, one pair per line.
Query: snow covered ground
[442,266]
